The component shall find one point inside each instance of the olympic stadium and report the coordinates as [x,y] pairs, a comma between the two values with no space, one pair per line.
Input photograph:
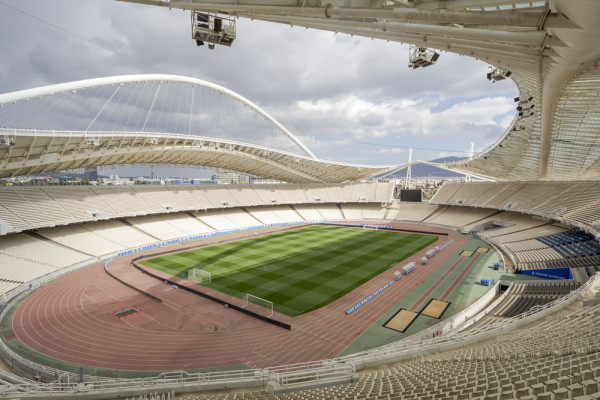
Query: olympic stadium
[487,291]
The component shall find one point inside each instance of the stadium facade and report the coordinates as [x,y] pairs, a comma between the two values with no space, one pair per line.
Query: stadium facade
[548,161]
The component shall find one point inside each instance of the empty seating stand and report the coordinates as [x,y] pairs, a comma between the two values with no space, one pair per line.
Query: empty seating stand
[23,208]
[525,296]
[557,358]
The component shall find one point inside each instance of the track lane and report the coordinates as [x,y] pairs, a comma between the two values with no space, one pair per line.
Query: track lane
[71,319]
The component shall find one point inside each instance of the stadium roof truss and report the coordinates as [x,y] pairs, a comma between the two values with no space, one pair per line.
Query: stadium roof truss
[162,119]
[550,48]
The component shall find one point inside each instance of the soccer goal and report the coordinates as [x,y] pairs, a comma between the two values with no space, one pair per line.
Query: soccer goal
[257,304]
[199,275]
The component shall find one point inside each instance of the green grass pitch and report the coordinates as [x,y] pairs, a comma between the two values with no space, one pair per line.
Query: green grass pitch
[299,270]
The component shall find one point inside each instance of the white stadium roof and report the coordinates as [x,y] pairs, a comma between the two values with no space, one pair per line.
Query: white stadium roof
[550,48]
[154,119]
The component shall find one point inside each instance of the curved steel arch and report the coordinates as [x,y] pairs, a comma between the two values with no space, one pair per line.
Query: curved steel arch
[24,95]
[550,46]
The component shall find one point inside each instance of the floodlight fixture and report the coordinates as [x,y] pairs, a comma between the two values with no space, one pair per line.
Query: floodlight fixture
[419,56]
[212,28]
[526,101]
[7,141]
[498,74]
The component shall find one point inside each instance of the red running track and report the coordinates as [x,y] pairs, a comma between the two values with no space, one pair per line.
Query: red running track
[71,319]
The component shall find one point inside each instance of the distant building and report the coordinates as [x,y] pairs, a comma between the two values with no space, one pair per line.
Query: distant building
[264,181]
[224,177]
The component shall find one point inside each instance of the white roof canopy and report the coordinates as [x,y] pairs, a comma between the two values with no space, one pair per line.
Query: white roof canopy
[154,119]
[550,48]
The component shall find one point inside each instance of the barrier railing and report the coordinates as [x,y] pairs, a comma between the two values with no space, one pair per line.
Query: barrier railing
[406,348]
[315,374]
[356,361]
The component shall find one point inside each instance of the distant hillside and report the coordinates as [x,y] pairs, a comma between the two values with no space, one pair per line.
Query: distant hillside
[422,170]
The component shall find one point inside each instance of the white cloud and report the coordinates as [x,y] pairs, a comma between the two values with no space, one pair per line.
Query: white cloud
[390,151]
[337,88]
[506,121]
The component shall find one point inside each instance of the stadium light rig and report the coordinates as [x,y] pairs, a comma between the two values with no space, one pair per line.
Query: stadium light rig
[525,106]
[421,57]
[213,29]
[497,74]
[7,141]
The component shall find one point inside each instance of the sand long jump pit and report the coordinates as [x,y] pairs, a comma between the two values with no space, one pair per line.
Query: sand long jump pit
[435,308]
[401,320]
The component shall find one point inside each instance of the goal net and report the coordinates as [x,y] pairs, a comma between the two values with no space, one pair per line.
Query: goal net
[258,305]
[199,275]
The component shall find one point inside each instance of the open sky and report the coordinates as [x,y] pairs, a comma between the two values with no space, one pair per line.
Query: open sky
[347,98]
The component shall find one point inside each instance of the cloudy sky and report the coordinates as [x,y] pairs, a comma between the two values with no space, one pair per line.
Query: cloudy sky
[347,98]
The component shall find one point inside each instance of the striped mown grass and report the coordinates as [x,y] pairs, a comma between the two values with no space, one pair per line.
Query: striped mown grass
[299,270]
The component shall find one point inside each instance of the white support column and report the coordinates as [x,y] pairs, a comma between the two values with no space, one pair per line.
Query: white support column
[468,178]
[409,169]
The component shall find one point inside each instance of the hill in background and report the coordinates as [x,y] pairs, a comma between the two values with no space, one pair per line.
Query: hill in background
[422,170]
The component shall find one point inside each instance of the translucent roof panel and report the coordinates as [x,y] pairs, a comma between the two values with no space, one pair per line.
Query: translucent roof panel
[151,106]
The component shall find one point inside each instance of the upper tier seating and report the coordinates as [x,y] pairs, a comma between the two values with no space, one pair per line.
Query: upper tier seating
[223,220]
[572,244]
[126,236]
[156,226]
[459,216]
[187,224]
[410,211]
[308,212]
[274,214]
[330,212]
[360,211]
[352,212]
[576,203]
[78,238]
[23,208]
[523,296]
[373,211]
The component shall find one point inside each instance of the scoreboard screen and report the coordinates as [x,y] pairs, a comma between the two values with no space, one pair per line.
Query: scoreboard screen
[413,195]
